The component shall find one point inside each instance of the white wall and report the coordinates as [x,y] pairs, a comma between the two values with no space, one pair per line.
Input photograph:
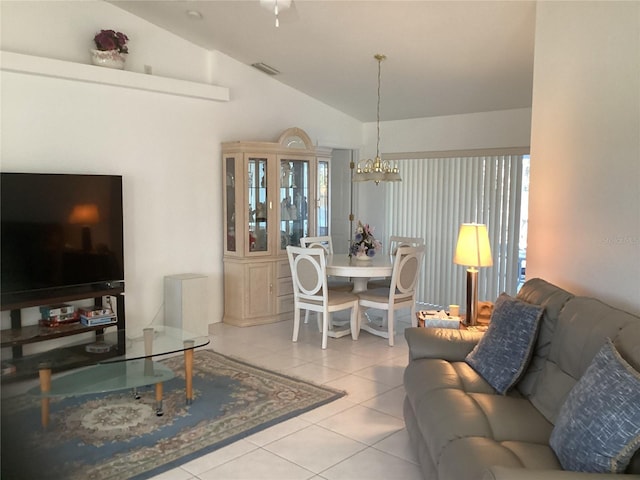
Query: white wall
[506,128]
[166,147]
[584,218]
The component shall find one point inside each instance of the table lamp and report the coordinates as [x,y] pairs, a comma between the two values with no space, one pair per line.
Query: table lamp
[473,250]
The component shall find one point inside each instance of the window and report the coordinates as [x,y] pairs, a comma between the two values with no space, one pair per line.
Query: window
[437,194]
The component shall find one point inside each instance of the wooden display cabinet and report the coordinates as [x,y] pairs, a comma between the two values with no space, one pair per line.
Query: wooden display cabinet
[271,199]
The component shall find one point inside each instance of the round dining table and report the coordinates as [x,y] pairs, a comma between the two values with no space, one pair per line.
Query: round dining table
[341,265]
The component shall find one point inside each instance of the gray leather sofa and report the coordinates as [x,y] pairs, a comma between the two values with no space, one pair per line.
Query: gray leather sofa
[463,430]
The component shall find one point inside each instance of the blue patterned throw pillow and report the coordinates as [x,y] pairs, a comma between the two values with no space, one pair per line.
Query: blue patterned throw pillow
[598,426]
[502,354]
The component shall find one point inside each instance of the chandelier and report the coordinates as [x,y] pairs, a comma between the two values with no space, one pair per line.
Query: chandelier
[377,170]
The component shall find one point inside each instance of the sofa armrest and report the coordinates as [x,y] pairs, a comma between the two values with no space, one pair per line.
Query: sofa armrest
[506,473]
[444,343]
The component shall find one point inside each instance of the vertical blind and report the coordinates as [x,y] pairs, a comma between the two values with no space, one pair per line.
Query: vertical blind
[435,196]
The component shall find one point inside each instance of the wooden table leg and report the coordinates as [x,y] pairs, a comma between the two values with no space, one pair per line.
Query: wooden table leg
[45,388]
[159,411]
[188,370]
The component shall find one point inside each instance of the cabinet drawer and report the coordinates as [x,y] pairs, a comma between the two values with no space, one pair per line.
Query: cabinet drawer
[285,286]
[285,304]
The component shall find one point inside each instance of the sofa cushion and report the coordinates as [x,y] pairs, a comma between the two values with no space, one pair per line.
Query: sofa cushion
[552,298]
[479,452]
[598,427]
[482,429]
[466,458]
[582,328]
[628,344]
[513,419]
[428,374]
[503,353]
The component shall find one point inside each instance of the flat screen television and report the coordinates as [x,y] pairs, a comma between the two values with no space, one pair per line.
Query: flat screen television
[61,234]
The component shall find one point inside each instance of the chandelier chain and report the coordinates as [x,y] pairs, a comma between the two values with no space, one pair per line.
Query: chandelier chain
[375,169]
[378,111]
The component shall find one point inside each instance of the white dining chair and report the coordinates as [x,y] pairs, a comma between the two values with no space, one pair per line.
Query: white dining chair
[402,291]
[334,283]
[322,241]
[325,242]
[310,291]
[395,241]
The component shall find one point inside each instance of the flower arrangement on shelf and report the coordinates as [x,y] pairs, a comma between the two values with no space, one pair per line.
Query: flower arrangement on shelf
[364,244]
[106,40]
[111,49]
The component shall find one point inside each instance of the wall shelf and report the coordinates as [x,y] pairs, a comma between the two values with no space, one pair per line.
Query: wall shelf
[49,67]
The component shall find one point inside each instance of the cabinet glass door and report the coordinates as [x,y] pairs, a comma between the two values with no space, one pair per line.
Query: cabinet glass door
[294,198]
[230,167]
[323,198]
[258,203]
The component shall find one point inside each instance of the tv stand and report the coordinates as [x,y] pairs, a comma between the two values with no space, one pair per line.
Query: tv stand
[63,357]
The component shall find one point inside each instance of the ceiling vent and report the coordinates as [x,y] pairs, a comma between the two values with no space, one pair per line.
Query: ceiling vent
[263,67]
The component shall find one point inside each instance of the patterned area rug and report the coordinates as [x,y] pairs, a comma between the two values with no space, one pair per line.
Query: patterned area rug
[114,436]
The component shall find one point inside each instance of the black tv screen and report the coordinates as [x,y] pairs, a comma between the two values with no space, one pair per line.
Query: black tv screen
[60,234]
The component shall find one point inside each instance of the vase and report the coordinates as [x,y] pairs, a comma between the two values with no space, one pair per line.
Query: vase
[363,257]
[108,58]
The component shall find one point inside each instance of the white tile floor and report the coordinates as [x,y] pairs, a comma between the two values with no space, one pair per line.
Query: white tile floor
[360,436]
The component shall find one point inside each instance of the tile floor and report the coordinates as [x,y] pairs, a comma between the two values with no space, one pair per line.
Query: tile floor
[360,436]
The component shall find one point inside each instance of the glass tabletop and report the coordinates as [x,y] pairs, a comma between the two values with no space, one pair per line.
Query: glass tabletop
[154,341]
[135,368]
[107,377]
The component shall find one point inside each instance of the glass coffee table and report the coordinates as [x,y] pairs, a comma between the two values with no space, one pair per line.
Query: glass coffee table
[135,368]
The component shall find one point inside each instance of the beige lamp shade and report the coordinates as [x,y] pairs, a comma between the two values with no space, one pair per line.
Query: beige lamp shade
[473,249]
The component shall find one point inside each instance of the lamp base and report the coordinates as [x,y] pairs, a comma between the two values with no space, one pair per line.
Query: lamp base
[471,317]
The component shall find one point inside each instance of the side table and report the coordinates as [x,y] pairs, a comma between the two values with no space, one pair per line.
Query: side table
[425,319]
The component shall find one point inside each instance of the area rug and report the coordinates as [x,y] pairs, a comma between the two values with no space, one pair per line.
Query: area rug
[114,436]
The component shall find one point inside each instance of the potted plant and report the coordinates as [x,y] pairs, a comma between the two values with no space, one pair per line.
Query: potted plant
[111,49]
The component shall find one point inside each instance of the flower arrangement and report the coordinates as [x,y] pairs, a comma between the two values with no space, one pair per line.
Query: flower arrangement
[364,243]
[106,40]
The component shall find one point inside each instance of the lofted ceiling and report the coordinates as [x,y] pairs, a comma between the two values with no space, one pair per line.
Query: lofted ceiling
[443,57]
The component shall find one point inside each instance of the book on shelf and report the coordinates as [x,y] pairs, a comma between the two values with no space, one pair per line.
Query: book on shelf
[61,309]
[58,320]
[102,320]
[95,311]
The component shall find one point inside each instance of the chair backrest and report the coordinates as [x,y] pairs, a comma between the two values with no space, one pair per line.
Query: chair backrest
[406,268]
[308,272]
[397,241]
[315,242]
